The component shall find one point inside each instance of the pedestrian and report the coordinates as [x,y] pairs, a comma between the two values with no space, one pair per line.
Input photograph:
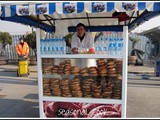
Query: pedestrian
[22,48]
[81,40]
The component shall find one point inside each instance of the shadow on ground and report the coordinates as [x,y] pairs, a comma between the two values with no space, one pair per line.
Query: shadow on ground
[23,82]
[31,96]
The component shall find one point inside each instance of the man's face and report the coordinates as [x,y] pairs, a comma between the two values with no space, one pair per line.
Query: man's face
[80,31]
[22,41]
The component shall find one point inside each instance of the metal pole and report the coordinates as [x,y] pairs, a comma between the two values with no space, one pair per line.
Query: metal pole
[32,29]
[39,70]
[125,70]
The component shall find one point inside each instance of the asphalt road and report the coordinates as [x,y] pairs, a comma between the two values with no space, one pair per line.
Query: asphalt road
[143,97]
[19,96]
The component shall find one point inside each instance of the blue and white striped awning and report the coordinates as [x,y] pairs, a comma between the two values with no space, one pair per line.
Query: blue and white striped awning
[74,12]
[75,7]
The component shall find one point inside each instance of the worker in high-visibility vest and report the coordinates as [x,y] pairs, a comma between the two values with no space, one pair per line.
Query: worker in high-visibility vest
[22,48]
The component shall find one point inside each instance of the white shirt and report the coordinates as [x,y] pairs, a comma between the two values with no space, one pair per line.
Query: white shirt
[86,43]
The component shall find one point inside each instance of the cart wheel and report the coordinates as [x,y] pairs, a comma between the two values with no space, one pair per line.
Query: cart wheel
[17,73]
[28,72]
[26,75]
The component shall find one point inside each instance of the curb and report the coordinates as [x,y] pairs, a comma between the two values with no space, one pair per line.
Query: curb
[135,72]
[13,70]
[141,72]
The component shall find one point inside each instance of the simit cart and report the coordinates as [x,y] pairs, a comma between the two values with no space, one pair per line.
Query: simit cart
[97,16]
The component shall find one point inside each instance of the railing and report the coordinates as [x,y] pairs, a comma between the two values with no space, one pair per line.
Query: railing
[140,45]
[10,50]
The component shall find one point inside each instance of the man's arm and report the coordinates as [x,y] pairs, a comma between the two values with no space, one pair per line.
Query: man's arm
[27,50]
[17,50]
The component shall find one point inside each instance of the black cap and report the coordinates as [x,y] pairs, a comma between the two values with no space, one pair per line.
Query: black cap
[20,39]
[81,24]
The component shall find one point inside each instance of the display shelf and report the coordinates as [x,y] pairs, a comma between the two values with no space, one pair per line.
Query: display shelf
[57,76]
[64,76]
[121,101]
[88,100]
[82,56]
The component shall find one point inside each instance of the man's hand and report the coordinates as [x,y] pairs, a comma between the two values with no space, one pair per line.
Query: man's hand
[75,50]
[20,55]
[24,56]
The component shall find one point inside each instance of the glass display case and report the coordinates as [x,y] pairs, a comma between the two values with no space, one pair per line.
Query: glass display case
[82,85]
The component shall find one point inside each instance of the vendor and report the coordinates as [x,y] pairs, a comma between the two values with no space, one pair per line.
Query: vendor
[81,40]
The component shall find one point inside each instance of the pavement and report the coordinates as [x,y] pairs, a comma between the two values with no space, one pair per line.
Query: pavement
[143,97]
[19,95]
[145,69]
[14,67]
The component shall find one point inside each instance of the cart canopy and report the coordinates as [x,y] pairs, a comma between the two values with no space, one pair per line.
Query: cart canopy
[97,16]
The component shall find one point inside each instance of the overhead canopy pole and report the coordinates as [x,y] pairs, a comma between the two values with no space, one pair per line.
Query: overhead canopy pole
[88,19]
[49,19]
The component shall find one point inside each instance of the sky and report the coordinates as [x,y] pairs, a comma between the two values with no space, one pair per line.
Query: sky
[16,28]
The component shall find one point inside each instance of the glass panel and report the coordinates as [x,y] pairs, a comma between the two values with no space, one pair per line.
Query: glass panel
[92,78]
